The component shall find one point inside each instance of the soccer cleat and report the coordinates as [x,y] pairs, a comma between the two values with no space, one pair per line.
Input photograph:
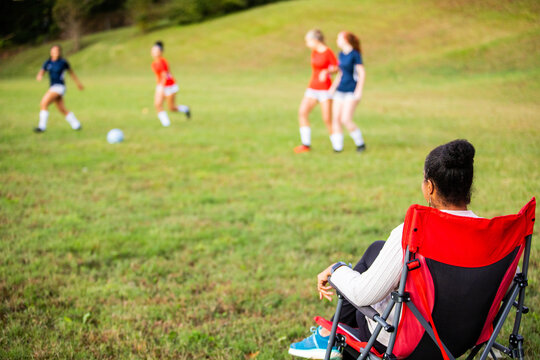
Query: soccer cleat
[302,149]
[313,347]
[188,113]
[39,130]
[361,148]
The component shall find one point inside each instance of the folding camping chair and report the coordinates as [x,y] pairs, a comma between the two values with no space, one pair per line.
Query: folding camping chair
[458,285]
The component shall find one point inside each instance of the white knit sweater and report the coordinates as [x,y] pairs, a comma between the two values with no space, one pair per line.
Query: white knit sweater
[373,287]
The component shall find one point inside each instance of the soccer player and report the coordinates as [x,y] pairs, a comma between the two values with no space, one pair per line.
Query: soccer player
[349,84]
[166,87]
[56,65]
[323,63]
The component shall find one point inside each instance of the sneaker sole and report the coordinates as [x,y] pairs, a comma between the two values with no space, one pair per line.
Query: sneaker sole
[313,354]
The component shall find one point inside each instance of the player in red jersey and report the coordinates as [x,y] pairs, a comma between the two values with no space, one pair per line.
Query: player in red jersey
[166,87]
[323,63]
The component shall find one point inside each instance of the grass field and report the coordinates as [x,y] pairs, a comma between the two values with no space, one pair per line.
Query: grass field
[202,240]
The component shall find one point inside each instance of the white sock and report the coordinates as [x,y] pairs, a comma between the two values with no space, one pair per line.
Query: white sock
[72,120]
[356,135]
[183,108]
[337,141]
[305,135]
[164,118]
[43,117]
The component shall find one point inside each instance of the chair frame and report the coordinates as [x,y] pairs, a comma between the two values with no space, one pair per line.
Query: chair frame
[514,298]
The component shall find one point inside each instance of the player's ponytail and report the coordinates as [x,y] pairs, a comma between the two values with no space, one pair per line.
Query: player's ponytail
[353,41]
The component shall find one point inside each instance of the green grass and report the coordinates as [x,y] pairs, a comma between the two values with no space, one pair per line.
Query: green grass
[202,241]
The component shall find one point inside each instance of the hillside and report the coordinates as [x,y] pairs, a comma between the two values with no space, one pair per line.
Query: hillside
[424,36]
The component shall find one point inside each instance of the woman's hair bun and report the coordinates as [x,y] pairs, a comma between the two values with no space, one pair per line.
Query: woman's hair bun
[450,167]
[459,154]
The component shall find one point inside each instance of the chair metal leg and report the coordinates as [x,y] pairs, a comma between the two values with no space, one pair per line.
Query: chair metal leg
[516,340]
[507,306]
[364,353]
[334,327]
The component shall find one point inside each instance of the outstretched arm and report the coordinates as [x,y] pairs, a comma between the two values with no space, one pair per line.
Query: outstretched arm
[162,80]
[335,84]
[76,79]
[160,91]
[40,74]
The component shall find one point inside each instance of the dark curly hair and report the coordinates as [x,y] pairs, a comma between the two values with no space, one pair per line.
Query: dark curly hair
[159,44]
[450,168]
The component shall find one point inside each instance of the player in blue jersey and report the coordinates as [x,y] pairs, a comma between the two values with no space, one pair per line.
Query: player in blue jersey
[347,91]
[56,65]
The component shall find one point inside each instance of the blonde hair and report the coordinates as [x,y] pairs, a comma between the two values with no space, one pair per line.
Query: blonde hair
[315,34]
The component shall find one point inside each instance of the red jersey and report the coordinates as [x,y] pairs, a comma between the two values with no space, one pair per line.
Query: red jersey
[321,61]
[159,66]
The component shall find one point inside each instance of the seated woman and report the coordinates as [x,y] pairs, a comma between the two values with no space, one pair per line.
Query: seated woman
[448,177]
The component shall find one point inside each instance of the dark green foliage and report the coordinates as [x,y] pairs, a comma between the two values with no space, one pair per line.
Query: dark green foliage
[26,21]
[33,21]
[70,16]
[149,14]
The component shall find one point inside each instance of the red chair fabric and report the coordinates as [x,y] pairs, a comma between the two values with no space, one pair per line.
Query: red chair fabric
[351,340]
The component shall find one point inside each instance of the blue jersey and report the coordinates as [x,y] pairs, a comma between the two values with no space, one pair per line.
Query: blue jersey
[347,65]
[56,70]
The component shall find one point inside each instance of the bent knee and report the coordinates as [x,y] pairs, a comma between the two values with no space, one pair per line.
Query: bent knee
[375,247]
[349,124]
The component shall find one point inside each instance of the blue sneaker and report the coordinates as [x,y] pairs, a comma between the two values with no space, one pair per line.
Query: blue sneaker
[313,347]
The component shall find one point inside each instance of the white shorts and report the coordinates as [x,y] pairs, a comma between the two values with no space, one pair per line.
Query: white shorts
[319,95]
[343,96]
[168,90]
[58,88]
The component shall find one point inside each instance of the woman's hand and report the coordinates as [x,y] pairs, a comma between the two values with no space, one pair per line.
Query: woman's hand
[323,75]
[39,76]
[333,69]
[332,91]
[358,95]
[325,290]
[76,79]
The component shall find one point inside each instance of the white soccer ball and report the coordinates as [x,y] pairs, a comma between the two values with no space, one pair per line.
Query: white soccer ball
[115,136]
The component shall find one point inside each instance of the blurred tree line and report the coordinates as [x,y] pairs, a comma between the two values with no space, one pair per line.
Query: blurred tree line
[37,21]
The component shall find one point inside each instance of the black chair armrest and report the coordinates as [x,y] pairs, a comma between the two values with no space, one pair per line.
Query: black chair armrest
[370,312]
